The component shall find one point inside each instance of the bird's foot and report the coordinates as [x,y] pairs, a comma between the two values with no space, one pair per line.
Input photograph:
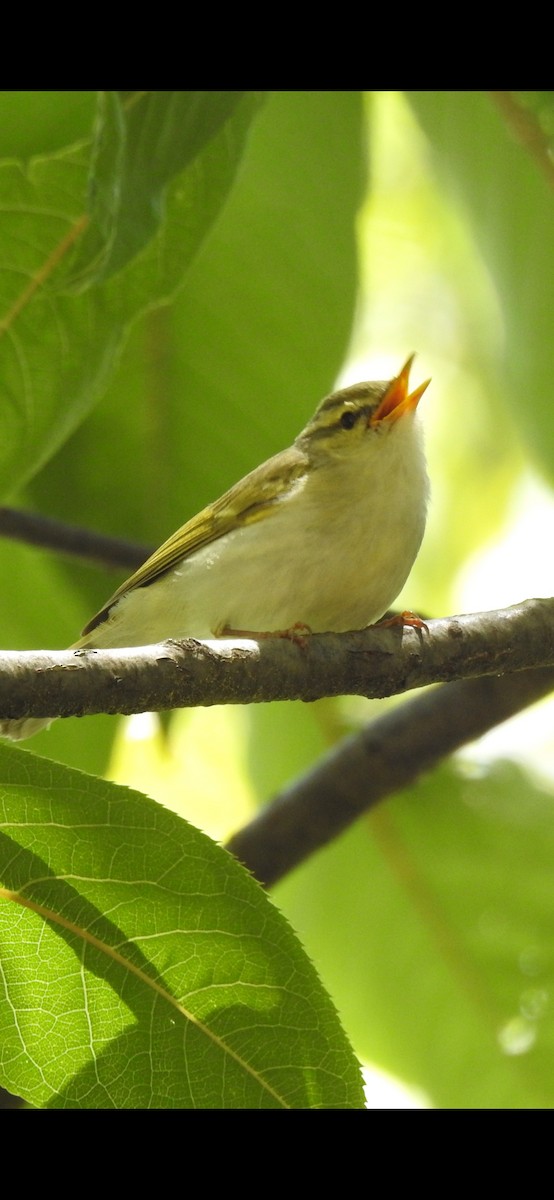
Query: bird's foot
[405,618]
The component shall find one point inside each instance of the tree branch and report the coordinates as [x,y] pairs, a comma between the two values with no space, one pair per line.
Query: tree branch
[516,644]
[74,540]
[376,662]
[390,753]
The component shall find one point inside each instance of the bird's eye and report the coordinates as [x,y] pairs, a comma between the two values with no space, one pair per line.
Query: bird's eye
[348,419]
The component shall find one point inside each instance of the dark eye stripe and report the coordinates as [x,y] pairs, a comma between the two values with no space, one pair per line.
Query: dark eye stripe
[342,410]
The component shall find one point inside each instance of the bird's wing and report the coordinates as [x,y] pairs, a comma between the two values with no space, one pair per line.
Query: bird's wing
[269,483]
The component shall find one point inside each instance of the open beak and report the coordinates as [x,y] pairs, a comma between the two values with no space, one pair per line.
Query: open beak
[397,400]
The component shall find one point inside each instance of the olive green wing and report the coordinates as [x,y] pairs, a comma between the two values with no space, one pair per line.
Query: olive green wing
[247,501]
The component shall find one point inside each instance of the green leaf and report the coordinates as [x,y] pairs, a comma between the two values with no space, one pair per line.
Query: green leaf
[143,967]
[229,374]
[57,350]
[446,972]
[213,384]
[40,122]
[141,142]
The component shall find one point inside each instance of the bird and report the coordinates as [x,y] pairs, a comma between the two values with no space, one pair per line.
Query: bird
[321,537]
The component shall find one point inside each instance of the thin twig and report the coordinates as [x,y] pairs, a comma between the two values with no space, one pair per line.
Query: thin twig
[38,530]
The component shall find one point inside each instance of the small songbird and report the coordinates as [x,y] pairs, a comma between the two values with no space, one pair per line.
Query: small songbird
[321,536]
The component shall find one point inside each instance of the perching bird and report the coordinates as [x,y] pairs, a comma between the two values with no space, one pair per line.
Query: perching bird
[323,535]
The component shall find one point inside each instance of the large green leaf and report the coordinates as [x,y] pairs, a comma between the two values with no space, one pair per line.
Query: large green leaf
[231,371]
[223,377]
[141,142]
[57,350]
[431,924]
[143,967]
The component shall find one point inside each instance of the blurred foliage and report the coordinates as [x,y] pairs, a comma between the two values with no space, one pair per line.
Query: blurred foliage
[431,924]
[262,272]
[505,195]
[33,123]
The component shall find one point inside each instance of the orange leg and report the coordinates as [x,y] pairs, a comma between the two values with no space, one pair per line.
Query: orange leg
[297,633]
[406,618]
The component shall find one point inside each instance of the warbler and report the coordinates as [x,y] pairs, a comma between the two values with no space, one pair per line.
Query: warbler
[321,536]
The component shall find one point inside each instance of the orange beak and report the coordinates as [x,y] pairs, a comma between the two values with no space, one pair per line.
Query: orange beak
[397,400]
